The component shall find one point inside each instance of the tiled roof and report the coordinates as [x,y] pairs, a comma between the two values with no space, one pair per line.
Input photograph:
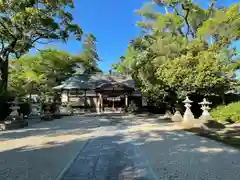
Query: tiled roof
[93,81]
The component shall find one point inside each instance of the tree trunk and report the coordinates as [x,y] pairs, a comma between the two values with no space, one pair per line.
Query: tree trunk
[4,76]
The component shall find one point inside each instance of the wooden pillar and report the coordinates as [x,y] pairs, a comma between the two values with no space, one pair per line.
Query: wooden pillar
[96,102]
[113,106]
[68,96]
[85,99]
[126,100]
[99,103]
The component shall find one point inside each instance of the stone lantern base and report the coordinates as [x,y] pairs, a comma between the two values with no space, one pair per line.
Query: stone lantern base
[168,115]
[13,124]
[13,121]
[205,118]
[177,117]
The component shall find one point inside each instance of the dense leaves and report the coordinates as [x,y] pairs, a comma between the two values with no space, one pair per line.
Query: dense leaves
[89,53]
[225,113]
[185,50]
[25,23]
[43,71]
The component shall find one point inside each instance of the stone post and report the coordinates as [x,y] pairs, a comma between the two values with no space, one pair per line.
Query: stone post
[188,115]
[205,107]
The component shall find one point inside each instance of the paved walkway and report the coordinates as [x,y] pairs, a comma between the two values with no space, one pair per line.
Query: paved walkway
[113,148]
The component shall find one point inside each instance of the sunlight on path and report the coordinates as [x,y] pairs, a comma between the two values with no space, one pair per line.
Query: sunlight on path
[43,151]
[40,153]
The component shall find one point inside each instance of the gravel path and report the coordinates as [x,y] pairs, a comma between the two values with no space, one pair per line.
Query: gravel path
[177,155]
[104,159]
[43,150]
[113,148]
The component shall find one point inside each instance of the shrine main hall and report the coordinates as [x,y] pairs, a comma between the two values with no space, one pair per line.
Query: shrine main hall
[99,92]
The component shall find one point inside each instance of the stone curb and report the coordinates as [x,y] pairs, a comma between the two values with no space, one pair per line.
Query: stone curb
[63,172]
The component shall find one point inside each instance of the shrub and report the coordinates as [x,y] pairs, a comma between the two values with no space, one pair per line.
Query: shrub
[25,108]
[5,110]
[230,112]
[5,105]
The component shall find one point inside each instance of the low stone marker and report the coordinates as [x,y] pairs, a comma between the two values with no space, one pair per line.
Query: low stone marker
[168,115]
[177,117]
[14,121]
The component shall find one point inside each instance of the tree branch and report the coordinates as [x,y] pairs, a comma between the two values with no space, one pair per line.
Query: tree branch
[5,29]
[189,29]
[211,8]
[179,29]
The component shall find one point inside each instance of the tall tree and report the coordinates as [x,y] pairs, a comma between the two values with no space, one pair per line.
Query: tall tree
[89,54]
[184,50]
[43,71]
[25,23]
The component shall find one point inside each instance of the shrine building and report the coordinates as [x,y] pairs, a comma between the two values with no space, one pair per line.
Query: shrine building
[99,92]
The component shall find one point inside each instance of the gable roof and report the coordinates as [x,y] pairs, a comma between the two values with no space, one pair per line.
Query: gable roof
[95,81]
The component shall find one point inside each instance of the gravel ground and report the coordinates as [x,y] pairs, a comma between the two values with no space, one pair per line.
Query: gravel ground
[177,155]
[113,148]
[43,150]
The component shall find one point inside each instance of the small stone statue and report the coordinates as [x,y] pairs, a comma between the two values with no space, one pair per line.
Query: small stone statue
[205,107]
[188,115]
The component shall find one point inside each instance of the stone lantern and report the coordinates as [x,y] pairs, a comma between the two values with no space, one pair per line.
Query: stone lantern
[14,107]
[205,107]
[188,115]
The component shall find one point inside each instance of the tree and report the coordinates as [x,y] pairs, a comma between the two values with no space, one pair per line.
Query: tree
[43,71]
[89,54]
[23,24]
[25,75]
[183,51]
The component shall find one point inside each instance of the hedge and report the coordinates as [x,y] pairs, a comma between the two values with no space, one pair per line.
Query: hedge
[230,112]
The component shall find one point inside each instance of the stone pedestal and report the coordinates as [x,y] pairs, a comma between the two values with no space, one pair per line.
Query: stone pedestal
[35,110]
[168,115]
[65,111]
[47,116]
[10,125]
[13,121]
[177,117]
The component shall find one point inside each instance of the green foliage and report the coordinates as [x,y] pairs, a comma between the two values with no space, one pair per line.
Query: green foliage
[132,108]
[5,105]
[39,73]
[183,51]
[224,26]
[89,54]
[224,113]
[23,24]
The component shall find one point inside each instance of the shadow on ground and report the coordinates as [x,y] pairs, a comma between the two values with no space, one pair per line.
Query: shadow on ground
[170,154]
[78,126]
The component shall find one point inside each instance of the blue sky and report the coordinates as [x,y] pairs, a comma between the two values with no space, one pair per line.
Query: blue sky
[113,24]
